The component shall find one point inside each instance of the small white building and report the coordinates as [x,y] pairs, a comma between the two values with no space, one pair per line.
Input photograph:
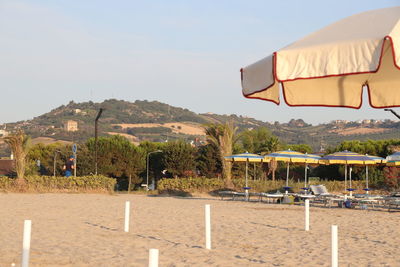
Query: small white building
[71,126]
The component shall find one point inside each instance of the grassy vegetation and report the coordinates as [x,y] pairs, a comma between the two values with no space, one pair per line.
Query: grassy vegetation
[206,185]
[48,184]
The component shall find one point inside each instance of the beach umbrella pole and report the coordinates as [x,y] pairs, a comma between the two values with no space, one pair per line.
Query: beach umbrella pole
[254,175]
[351,191]
[345,177]
[366,180]
[247,190]
[287,177]
[305,177]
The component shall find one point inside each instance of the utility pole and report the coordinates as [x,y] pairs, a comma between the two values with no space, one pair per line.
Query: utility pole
[95,138]
[393,112]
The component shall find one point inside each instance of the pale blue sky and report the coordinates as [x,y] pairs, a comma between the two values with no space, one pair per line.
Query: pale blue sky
[183,53]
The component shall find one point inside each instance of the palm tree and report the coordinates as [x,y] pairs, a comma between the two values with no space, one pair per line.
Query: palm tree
[272,144]
[272,166]
[18,143]
[223,136]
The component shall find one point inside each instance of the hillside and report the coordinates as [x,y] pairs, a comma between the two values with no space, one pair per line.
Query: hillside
[156,121]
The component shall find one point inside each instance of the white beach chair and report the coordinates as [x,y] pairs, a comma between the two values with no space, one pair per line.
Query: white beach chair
[325,197]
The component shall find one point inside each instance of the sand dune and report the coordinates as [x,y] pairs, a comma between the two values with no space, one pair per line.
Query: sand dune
[87,230]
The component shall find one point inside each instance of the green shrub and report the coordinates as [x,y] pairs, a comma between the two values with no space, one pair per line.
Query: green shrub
[36,183]
[6,183]
[192,185]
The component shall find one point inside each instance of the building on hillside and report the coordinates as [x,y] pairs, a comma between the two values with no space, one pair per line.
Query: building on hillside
[71,126]
[340,121]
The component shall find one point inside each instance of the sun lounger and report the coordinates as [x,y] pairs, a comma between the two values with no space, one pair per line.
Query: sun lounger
[233,194]
[304,196]
[323,196]
[364,200]
[271,197]
[393,201]
[320,190]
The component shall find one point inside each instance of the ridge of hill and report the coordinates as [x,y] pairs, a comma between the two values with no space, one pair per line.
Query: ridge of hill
[155,121]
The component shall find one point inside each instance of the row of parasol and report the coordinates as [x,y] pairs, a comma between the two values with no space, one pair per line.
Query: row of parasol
[346,158]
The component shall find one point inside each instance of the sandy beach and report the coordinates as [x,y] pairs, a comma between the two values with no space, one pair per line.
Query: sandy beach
[87,230]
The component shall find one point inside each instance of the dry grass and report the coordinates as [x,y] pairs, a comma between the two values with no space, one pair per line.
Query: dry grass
[48,140]
[358,130]
[176,127]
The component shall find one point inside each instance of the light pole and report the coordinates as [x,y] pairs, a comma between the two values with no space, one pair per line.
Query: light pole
[95,139]
[55,157]
[147,176]
[393,112]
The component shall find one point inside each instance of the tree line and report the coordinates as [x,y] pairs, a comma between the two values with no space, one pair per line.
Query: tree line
[122,160]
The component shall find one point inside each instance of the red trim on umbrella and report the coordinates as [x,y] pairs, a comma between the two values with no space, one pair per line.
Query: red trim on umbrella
[326,76]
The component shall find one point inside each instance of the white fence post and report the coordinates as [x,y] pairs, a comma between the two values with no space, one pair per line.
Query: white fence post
[153,257]
[26,243]
[335,255]
[208,226]
[307,214]
[127,211]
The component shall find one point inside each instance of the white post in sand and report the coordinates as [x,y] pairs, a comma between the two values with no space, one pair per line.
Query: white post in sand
[127,210]
[208,226]
[153,257]
[26,243]
[307,214]
[335,256]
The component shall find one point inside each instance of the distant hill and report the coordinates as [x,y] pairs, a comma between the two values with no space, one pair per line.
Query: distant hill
[156,121]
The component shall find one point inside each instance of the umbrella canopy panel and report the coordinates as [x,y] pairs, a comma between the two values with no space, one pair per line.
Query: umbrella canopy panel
[246,157]
[347,157]
[331,66]
[288,156]
[291,156]
[312,158]
[378,160]
[393,157]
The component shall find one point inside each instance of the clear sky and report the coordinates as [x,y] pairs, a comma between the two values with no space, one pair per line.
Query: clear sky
[183,53]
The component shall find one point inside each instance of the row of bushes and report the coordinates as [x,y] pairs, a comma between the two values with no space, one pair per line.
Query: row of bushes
[190,185]
[201,185]
[38,183]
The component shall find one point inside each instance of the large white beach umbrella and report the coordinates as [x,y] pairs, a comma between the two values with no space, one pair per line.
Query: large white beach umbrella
[330,67]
